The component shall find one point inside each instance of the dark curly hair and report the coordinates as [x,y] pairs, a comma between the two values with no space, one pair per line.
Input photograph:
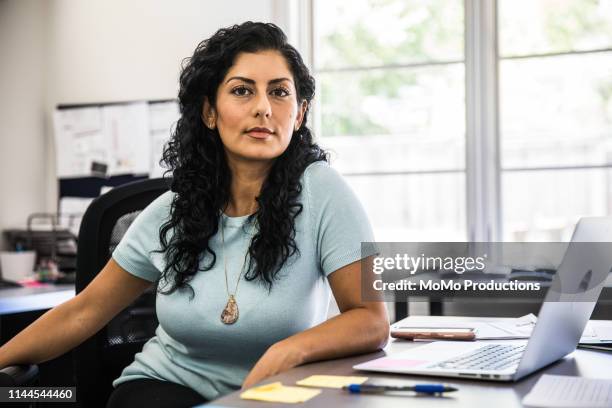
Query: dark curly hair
[201,178]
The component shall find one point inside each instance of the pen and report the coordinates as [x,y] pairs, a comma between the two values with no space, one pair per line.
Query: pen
[379,389]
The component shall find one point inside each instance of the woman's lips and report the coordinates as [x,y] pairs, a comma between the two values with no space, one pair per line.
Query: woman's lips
[257,134]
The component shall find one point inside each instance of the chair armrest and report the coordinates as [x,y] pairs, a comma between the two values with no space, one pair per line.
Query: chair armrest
[18,375]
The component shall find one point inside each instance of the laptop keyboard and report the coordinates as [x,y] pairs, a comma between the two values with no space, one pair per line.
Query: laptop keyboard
[491,357]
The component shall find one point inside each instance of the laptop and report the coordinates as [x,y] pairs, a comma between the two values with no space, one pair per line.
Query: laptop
[563,316]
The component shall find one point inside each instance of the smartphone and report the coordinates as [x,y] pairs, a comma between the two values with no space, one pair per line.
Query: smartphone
[434,333]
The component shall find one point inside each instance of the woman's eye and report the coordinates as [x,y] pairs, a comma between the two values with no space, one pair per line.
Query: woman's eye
[280,92]
[241,91]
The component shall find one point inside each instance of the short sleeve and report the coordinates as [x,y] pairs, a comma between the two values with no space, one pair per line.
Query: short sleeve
[339,221]
[135,252]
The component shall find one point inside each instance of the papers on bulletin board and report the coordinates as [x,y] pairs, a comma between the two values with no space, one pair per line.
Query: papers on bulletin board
[79,141]
[127,134]
[163,117]
[566,391]
[113,139]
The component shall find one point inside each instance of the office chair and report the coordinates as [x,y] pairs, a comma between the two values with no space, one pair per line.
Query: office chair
[100,359]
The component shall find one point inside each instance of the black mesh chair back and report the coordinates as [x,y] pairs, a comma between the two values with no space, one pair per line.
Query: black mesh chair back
[100,359]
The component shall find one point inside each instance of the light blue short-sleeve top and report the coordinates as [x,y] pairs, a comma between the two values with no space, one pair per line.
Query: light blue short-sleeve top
[191,345]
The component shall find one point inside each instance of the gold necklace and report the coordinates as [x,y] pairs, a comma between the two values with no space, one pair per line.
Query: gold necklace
[230,312]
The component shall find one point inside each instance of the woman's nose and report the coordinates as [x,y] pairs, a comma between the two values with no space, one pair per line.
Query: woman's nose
[262,106]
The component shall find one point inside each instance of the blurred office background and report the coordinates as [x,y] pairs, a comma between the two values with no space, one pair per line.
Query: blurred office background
[451,119]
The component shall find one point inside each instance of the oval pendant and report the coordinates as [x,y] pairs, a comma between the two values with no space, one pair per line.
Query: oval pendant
[230,313]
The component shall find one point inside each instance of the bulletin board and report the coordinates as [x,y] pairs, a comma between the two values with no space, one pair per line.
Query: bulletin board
[103,145]
[112,139]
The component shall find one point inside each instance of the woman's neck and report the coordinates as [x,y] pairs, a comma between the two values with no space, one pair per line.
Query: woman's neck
[247,179]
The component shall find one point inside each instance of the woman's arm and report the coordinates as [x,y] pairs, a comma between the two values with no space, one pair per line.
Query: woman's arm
[69,324]
[360,328]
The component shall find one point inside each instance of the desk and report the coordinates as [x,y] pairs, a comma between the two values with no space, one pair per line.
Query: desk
[19,307]
[28,299]
[471,393]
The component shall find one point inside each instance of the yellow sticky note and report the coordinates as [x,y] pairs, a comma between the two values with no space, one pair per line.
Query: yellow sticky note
[331,381]
[277,392]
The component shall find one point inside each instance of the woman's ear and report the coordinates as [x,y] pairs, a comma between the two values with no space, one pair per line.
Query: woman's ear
[209,115]
[300,115]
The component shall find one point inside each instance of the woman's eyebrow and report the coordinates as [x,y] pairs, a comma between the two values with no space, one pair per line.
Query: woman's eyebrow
[274,81]
[250,81]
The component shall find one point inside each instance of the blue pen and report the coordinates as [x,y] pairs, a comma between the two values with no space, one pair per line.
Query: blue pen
[379,389]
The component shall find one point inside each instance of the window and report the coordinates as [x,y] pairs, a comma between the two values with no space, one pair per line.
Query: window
[555,63]
[396,81]
[391,109]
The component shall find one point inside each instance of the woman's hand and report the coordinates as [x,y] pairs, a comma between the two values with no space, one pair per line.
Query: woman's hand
[279,357]
[361,327]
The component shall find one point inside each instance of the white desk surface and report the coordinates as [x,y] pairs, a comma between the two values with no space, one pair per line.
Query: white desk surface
[471,394]
[28,299]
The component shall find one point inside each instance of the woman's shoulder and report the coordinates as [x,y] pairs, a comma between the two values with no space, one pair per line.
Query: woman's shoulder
[163,201]
[320,172]
[160,207]
[323,182]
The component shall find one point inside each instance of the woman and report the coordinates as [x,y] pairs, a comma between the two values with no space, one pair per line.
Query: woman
[243,248]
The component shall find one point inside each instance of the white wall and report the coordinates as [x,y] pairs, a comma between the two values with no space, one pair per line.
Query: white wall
[22,138]
[118,49]
[65,51]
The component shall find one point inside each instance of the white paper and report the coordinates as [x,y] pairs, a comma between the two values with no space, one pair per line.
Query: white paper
[71,210]
[604,334]
[519,328]
[565,391]
[79,140]
[597,332]
[163,117]
[127,136]
[522,327]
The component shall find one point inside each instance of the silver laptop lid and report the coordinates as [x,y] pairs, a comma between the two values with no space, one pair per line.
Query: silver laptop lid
[571,299]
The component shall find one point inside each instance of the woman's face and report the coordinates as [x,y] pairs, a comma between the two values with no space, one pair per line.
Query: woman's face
[257,109]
